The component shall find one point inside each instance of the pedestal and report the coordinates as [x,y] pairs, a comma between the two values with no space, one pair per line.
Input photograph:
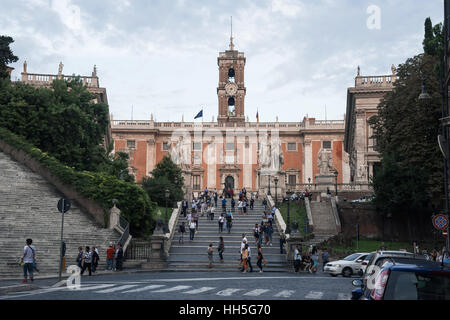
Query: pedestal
[158,259]
[325,179]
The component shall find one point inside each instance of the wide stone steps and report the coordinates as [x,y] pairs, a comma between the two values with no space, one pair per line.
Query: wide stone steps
[192,255]
[28,210]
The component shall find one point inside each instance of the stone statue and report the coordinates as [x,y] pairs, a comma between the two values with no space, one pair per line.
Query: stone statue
[362,171]
[359,72]
[325,162]
[276,155]
[94,74]
[60,68]
[394,70]
[25,66]
[264,154]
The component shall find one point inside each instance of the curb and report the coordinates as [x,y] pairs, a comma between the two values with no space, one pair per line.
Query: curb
[18,288]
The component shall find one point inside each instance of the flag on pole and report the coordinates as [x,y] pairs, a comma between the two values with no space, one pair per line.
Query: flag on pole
[199,115]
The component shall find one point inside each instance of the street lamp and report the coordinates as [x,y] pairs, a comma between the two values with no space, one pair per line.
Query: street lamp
[424,95]
[167,194]
[268,191]
[336,173]
[276,183]
[288,225]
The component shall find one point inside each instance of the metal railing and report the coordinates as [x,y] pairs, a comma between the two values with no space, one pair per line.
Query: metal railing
[125,226]
[138,250]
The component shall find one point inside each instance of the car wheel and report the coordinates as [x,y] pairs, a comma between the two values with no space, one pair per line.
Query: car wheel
[333,275]
[347,272]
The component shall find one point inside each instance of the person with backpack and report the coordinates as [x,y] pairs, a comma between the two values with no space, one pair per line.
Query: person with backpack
[224,204]
[181,230]
[210,255]
[221,248]
[87,261]
[229,221]
[28,260]
[80,257]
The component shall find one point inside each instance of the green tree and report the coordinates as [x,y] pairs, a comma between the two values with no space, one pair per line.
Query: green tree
[63,121]
[406,130]
[6,55]
[166,175]
[433,43]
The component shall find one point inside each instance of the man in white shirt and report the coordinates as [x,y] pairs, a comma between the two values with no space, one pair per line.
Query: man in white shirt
[28,259]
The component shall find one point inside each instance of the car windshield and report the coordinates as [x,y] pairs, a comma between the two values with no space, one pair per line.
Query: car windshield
[403,285]
[351,257]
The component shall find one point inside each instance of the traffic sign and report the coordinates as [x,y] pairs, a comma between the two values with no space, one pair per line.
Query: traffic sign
[440,221]
[66,205]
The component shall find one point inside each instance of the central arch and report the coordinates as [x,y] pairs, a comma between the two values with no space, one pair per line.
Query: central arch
[229,182]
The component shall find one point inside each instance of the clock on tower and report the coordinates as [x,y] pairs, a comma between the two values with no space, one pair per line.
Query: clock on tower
[231,90]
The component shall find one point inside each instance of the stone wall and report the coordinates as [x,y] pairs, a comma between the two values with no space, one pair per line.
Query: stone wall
[373,225]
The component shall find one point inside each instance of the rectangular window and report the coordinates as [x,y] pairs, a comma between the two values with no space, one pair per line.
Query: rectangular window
[131,144]
[229,146]
[326,144]
[292,179]
[197,146]
[292,146]
[196,180]
[165,146]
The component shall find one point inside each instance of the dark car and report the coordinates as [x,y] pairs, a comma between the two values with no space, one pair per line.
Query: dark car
[408,279]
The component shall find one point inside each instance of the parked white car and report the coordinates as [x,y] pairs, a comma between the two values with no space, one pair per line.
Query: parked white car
[348,266]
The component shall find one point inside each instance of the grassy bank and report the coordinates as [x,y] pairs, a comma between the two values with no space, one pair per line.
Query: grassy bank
[297,212]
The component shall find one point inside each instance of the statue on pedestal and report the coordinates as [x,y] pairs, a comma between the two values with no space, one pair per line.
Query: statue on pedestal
[325,162]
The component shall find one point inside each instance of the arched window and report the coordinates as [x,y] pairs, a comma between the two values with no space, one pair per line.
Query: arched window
[231,75]
[231,109]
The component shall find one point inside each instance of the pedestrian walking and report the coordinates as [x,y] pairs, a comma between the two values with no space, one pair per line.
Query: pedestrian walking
[87,261]
[196,221]
[184,207]
[265,204]
[224,204]
[211,212]
[270,233]
[221,221]
[256,233]
[119,257]
[244,206]
[282,242]
[325,258]
[261,259]
[249,259]
[80,257]
[28,260]
[110,253]
[192,230]
[221,248]
[252,203]
[210,255]
[229,221]
[215,198]
[95,259]
[181,230]
[233,204]
[314,260]
[297,258]
[244,256]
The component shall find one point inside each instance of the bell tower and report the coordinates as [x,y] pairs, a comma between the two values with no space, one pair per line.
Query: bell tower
[231,90]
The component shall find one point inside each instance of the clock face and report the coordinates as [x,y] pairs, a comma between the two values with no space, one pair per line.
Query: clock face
[231,88]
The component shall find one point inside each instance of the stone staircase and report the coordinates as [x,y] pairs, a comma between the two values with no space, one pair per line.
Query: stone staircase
[192,255]
[324,221]
[28,209]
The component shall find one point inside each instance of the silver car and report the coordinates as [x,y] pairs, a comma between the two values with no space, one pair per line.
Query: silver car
[348,266]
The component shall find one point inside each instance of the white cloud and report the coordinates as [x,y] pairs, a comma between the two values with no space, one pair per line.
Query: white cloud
[289,8]
[69,14]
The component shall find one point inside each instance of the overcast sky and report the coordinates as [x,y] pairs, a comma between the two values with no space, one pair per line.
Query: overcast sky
[160,57]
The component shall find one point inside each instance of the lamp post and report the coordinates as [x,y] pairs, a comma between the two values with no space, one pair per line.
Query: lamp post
[336,173]
[268,191]
[426,98]
[166,225]
[288,225]
[276,198]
